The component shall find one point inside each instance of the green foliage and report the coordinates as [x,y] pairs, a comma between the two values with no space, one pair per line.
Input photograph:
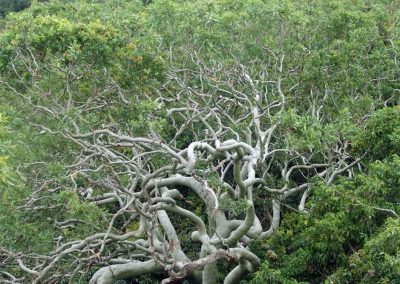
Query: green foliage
[381,137]
[307,133]
[17,227]
[377,262]
[5,173]
[271,276]
[22,231]
[52,35]
[345,39]
[344,218]
[235,208]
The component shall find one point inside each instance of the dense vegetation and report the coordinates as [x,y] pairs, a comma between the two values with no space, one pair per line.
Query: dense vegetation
[200,141]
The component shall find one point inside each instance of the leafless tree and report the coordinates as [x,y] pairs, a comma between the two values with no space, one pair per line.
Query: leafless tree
[239,147]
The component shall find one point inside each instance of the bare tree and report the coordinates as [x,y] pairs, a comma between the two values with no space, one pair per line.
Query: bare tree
[238,148]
